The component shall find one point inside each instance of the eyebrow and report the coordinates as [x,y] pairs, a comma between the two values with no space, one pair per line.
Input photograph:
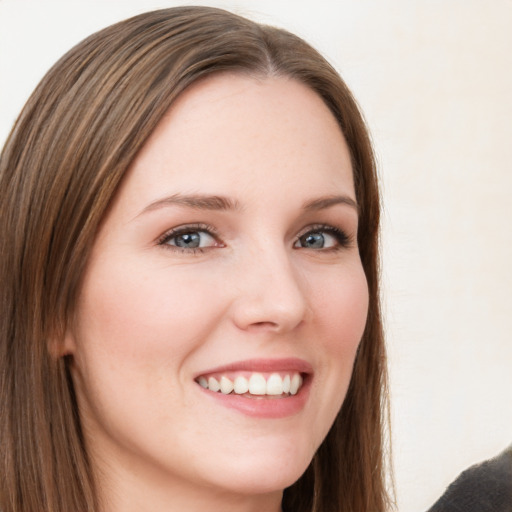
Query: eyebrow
[221,203]
[327,202]
[196,202]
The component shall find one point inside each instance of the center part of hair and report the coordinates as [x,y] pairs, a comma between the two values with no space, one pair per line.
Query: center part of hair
[258,384]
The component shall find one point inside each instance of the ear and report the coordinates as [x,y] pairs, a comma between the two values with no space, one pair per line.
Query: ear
[61,346]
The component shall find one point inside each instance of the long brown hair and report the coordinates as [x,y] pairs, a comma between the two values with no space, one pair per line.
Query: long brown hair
[60,168]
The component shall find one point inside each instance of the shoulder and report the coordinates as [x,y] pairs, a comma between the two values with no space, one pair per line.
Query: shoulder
[485,487]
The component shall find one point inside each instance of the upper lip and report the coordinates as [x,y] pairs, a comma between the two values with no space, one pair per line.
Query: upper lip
[263,365]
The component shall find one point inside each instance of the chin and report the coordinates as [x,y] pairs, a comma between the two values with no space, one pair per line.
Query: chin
[255,483]
[270,472]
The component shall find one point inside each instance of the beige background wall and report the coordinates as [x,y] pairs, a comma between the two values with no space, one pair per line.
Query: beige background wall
[435,81]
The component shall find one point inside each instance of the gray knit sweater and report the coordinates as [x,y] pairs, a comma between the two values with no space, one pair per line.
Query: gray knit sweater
[485,487]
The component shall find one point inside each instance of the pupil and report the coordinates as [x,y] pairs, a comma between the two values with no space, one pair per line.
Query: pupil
[315,240]
[188,240]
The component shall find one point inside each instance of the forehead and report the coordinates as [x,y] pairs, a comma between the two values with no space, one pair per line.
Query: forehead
[230,133]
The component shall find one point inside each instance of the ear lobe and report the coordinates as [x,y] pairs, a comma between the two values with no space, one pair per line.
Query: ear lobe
[62,346]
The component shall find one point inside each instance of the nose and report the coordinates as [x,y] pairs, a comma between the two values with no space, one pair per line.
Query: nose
[271,294]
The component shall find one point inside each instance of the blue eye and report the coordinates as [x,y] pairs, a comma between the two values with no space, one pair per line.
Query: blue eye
[189,238]
[324,237]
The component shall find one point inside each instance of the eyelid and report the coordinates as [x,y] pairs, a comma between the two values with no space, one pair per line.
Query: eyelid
[343,238]
[187,228]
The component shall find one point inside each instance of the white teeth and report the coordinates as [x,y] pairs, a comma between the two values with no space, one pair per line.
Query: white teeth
[295,384]
[226,386]
[241,385]
[213,384]
[275,384]
[257,384]
[286,384]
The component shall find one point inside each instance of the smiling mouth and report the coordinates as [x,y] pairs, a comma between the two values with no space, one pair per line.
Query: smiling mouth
[254,385]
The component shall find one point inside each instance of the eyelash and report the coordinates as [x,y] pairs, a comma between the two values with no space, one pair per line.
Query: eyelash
[343,240]
[183,230]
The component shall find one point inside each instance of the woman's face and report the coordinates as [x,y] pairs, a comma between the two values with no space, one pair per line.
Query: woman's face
[228,258]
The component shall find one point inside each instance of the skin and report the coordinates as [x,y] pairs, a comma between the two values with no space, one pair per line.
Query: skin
[151,316]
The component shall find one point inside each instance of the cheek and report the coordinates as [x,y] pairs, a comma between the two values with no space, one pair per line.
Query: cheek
[341,305]
[134,314]
[341,308]
[135,331]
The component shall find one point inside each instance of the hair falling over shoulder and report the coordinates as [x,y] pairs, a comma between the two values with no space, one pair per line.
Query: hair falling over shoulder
[62,164]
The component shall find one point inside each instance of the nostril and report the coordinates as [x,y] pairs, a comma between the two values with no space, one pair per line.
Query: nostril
[264,324]
[272,327]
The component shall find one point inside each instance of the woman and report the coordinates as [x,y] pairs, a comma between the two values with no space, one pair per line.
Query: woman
[190,312]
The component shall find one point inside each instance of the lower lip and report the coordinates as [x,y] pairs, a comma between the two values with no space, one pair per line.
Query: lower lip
[263,407]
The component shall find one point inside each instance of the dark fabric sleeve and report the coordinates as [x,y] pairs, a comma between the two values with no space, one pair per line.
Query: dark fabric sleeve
[486,487]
